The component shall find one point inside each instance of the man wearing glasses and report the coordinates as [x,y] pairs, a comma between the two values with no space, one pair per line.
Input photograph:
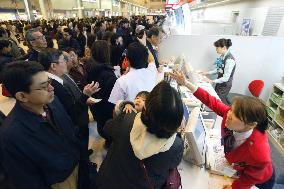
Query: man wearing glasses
[36,42]
[38,143]
[54,63]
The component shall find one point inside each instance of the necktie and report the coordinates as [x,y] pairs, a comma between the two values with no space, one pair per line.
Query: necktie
[228,140]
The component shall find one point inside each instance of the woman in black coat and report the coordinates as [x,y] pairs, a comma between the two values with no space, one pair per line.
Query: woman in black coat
[100,71]
[149,136]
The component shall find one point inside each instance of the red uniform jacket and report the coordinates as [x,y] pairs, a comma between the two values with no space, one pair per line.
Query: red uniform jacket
[252,158]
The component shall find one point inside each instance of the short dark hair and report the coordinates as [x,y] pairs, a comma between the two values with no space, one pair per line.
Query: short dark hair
[113,39]
[107,35]
[164,111]
[69,49]
[80,26]
[250,109]
[35,24]
[153,31]
[48,56]
[223,43]
[99,23]
[137,55]
[68,30]
[101,52]
[91,39]
[88,28]
[3,44]
[18,76]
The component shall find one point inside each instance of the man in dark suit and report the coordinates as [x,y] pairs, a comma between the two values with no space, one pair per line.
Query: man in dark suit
[54,63]
[153,40]
[36,42]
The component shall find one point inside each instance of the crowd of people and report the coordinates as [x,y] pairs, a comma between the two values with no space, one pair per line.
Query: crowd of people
[72,66]
[107,65]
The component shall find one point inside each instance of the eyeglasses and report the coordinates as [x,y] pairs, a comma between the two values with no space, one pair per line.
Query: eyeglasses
[45,85]
[64,60]
[42,37]
[72,56]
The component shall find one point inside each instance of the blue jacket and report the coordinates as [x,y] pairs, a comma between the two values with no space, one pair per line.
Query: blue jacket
[35,154]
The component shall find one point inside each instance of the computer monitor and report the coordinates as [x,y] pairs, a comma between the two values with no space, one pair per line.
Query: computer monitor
[194,139]
[185,113]
[185,117]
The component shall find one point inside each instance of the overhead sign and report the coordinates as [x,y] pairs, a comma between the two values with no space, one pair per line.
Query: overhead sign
[173,1]
[90,1]
[168,7]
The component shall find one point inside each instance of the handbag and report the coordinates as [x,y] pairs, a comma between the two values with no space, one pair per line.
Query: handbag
[173,181]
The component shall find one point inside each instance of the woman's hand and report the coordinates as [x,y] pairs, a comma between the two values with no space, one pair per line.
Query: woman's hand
[91,88]
[179,77]
[206,79]
[203,73]
[128,109]
[227,187]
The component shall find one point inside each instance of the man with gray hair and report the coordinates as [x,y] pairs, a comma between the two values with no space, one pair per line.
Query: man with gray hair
[36,43]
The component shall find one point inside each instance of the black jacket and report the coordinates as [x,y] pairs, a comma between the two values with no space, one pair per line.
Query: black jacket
[72,106]
[33,55]
[102,73]
[34,153]
[116,54]
[121,168]
[4,182]
[82,42]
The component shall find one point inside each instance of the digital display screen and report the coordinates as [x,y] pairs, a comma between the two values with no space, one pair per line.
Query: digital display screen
[199,134]
[185,113]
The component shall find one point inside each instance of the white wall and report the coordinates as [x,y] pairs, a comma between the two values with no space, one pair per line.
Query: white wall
[219,20]
[257,57]
[63,4]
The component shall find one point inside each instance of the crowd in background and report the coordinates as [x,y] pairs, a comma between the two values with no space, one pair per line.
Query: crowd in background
[72,65]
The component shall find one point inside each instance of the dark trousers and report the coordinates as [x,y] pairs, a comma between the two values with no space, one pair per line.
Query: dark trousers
[223,89]
[83,174]
[268,184]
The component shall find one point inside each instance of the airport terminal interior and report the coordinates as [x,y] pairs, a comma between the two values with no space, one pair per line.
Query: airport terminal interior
[141,94]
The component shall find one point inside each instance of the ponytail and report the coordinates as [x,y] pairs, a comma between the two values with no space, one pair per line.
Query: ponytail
[262,126]
[223,43]
[228,43]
